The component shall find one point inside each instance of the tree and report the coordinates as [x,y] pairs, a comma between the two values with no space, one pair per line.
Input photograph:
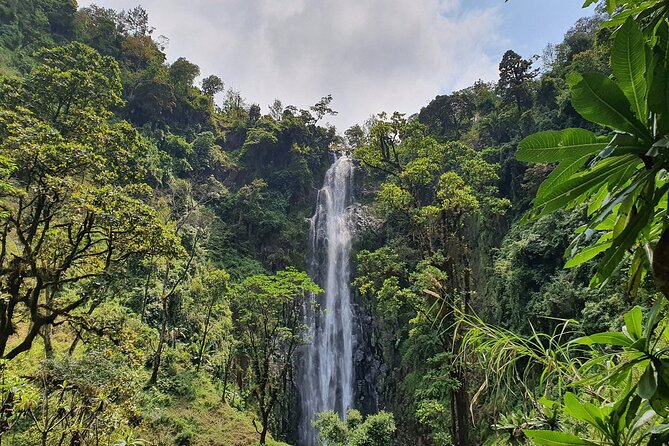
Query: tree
[71,88]
[276,110]
[515,74]
[209,290]
[267,317]
[234,105]
[212,85]
[99,27]
[135,22]
[183,73]
[254,113]
[355,136]
[449,116]
[191,223]
[322,108]
[29,26]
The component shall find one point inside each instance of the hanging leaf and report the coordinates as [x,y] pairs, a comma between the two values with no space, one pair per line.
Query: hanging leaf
[611,6]
[660,399]
[659,435]
[588,253]
[634,322]
[640,11]
[653,319]
[563,194]
[565,170]
[637,273]
[622,244]
[628,62]
[648,383]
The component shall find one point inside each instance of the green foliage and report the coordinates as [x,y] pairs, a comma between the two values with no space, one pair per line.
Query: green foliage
[28,26]
[427,193]
[73,207]
[116,221]
[630,416]
[426,179]
[375,430]
[620,177]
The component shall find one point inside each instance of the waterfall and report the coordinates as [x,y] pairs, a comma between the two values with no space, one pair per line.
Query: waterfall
[326,376]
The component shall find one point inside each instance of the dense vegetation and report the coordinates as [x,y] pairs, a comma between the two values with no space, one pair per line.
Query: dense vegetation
[153,243]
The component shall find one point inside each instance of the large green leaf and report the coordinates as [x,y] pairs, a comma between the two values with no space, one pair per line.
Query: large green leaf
[583,412]
[653,319]
[634,322]
[624,144]
[608,338]
[639,10]
[660,399]
[611,6]
[648,383]
[613,207]
[554,438]
[598,99]
[588,253]
[566,193]
[554,146]
[626,240]
[658,97]
[659,435]
[628,62]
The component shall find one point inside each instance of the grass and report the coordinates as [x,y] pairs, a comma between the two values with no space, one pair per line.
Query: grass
[220,426]
[202,423]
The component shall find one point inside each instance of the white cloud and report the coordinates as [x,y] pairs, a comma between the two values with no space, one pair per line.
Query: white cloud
[371,55]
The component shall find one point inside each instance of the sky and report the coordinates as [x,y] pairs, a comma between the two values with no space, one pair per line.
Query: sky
[371,55]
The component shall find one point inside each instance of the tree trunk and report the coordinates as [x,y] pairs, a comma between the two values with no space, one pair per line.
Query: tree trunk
[263,433]
[48,345]
[145,295]
[48,328]
[73,345]
[462,394]
[161,345]
[226,374]
[204,335]
[461,407]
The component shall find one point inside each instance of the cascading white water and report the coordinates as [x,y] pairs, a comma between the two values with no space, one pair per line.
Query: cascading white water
[326,375]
